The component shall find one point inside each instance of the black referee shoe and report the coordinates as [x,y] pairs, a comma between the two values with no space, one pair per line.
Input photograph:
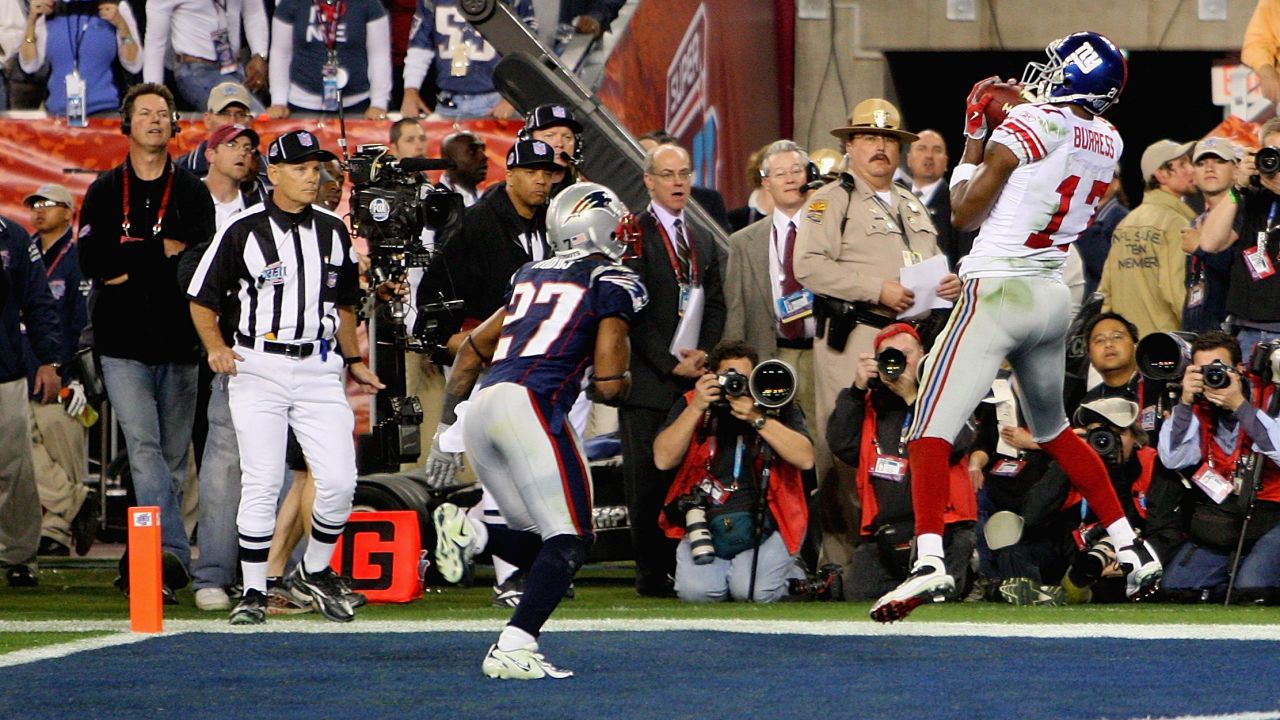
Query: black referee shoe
[251,610]
[325,590]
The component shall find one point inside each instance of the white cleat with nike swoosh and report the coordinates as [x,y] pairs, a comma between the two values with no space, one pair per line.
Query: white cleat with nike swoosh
[525,663]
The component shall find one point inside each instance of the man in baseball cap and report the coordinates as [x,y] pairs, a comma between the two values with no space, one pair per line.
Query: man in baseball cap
[555,125]
[1144,275]
[1214,161]
[229,103]
[295,147]
[231,153]
[51,192]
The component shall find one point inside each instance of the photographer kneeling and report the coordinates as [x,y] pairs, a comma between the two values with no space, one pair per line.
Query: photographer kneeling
[1217,434]
[719,437]
[868,430]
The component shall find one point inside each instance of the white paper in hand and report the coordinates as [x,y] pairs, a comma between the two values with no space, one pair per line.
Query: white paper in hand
[923,279]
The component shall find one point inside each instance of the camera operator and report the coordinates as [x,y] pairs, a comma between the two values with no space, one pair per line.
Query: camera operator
[715,435]
[867,430]
[1253,290]
[1211,435]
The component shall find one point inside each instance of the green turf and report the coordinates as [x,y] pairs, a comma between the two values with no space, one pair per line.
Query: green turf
[10,641]
[72,593]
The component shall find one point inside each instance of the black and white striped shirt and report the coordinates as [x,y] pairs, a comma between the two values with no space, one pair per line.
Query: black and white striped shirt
[290,272]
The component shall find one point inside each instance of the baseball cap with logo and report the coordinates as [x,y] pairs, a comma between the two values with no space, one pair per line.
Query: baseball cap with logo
[227,93]
[296,147]
[545,116]
[1160,152]
[1218,146]
[51,191]
[227,133]
[877,117]
[531,154]
[1117,411]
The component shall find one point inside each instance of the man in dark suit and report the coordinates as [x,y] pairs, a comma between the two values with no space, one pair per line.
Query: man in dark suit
[927,161]
[709,199]
[681,269]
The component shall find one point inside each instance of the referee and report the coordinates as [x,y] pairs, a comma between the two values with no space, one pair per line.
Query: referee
[293,270]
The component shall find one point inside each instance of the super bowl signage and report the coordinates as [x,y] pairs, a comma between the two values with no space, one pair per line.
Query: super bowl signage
[690,116]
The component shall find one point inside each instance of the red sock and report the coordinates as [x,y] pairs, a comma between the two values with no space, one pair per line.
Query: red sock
[1087,473]
[930,483]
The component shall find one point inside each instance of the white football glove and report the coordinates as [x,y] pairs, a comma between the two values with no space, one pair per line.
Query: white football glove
[76,401]
[442,467]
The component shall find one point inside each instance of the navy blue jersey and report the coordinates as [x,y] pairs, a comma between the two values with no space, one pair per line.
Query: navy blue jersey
[440,28]
[553,309]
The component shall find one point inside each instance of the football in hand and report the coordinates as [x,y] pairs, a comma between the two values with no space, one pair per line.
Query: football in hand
[1004,96]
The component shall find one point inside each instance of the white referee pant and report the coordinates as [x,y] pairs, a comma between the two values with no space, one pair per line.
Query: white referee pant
[269,394]
[1024,319]
[538,477]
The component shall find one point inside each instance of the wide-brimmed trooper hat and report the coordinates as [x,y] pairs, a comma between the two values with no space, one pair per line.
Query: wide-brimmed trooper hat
[875,116]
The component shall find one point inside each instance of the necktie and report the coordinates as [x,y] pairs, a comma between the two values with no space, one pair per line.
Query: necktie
[794,329]
[682,249]
[919,193]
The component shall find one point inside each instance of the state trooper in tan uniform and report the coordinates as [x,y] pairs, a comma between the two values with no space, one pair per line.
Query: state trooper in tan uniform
[855,235]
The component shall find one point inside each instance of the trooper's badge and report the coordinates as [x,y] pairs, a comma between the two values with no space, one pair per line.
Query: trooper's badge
[816,209]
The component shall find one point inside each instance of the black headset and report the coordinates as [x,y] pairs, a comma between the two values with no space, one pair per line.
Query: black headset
[126,126]
[524,133]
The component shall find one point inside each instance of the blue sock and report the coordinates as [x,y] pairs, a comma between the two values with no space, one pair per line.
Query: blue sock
[549,579]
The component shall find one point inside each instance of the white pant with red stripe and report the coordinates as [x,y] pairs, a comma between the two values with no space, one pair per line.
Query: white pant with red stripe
[539,478]
[1024,319]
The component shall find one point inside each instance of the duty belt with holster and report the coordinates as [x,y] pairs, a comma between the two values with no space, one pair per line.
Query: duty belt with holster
[836,318]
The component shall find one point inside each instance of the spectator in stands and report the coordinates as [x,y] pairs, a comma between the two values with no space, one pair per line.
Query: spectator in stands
[696,440]
[137,218]
[1253,290]
[759,279]
[83,40]
[204,38]
[680,268]
[1208,274]
[867,430]
[326,48]
[1145,273]
[58,440]
[463,60]
[1211,433]
[1095,242]
[709,198]
[470,164]
[25,301]
[1261,48]
[591,17]
[927,161]
[759,204]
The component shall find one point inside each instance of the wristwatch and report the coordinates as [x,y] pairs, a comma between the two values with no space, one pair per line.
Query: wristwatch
[758,423]
[351,360]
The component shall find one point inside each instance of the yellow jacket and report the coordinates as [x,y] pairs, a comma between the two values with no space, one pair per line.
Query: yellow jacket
[1144,278]
[1262,38]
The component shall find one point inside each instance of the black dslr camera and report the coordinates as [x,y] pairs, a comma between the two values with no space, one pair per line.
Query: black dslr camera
[891,363]
[1106,443]
[1267,162]
[732,384]
[1217,375]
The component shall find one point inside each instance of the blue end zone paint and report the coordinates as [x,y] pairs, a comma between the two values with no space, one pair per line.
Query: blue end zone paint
[648,674]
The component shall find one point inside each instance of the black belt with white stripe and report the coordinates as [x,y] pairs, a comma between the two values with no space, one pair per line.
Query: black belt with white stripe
[292,350]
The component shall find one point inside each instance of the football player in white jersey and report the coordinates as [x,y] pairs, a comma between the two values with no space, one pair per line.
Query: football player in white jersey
[1033,187]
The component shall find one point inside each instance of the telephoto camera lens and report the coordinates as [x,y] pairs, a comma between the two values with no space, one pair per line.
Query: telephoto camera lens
[1104,441]
[733,383]
[1216,375]
[1267,161]
[698,532]
[891,363]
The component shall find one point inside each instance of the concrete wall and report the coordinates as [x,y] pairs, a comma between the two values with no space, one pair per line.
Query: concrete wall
[865,29]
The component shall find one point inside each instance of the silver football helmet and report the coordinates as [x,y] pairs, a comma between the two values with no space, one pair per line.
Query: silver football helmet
[589,218]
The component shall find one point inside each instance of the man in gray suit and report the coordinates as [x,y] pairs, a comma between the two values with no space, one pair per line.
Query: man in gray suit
[764,304]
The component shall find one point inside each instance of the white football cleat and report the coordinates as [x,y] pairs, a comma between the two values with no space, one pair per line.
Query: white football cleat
[1142,568]
[455,541]
[525,663]
[928,581]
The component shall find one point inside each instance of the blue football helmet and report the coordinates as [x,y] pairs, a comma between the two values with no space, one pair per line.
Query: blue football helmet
[1084,69]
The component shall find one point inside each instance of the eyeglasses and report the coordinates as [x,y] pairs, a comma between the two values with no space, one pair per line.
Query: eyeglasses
[238,146]
[1114,338]
[671,175]
[794,171]
[238,116]
[46,204]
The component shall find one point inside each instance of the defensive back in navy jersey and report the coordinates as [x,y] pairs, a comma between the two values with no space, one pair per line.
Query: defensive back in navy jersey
[554,307]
